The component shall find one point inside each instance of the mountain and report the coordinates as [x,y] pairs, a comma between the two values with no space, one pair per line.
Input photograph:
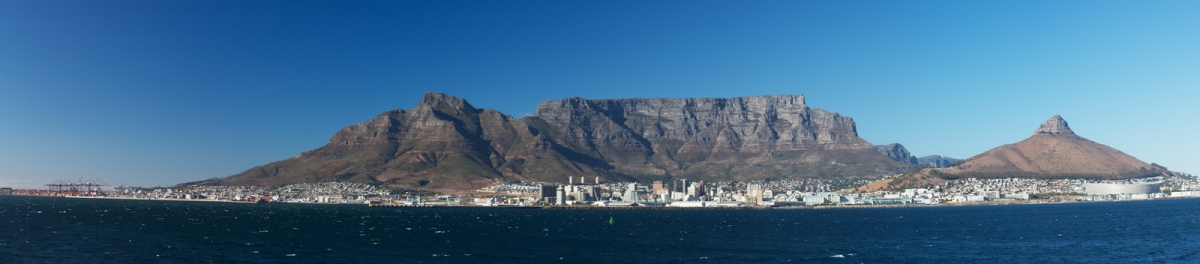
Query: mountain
[897,152]
[739,138]
[446,143]
[1053,151]
[935,161]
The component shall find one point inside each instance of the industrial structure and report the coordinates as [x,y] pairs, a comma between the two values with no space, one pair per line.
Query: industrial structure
[1122,188]
[90,187]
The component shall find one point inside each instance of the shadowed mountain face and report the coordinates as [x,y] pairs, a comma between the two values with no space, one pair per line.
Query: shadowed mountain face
[1054,151]
[446,143]
[936,161]
[897,152]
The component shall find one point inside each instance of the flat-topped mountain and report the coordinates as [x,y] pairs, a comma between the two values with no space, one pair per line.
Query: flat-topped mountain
[1054,151]
[446,142]
[710,138]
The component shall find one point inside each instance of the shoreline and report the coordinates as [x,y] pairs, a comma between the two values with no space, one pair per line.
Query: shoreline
[146,199]
[672,208]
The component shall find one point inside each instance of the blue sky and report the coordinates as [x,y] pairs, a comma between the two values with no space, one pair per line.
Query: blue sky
[161,92]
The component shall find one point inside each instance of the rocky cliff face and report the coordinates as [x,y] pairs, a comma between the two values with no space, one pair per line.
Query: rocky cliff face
[1054,126]
[897,152]
[935,161]
[711,138]
[446,142]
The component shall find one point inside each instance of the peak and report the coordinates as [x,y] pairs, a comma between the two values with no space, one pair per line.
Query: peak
[1054,126]
[437,100]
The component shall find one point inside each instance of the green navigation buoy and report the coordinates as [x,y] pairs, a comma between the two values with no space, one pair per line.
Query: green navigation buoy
[610,221]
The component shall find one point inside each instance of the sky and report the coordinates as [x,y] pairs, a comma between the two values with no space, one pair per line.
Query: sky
[150,93]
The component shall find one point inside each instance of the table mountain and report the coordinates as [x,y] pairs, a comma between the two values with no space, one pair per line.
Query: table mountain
[739,138]
[447,143]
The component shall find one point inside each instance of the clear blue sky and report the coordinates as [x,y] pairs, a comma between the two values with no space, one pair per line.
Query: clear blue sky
[151,93]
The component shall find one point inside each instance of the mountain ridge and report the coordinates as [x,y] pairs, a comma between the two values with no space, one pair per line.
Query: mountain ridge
[445,142]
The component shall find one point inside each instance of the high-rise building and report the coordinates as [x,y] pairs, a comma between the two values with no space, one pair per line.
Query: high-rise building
[754,195]
[547,191]
[631,193]
[560,197]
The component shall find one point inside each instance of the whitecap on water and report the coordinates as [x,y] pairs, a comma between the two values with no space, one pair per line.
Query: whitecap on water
[838,256]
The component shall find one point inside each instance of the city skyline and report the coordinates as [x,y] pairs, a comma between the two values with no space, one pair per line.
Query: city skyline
[150,93]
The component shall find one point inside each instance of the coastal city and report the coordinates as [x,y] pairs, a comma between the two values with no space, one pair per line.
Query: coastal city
[579,192]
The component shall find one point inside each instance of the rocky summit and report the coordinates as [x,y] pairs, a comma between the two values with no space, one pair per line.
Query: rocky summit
[446,143]
[1054,126]
[897,152]
[1054,151]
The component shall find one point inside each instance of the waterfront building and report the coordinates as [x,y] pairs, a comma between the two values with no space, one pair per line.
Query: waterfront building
[754,195]
[560,196]
[631,193]
[1185,194]
[814,200]
[992,195]
[547,191]
[1122,188]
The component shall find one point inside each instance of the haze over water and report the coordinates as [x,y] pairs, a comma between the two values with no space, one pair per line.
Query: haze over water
[61,230]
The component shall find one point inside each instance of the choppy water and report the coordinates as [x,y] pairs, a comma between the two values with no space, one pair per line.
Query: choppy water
[60,230]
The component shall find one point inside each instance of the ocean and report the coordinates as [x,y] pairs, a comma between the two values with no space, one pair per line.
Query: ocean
[66,230]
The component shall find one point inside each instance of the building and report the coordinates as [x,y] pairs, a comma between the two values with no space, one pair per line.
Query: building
[977,198]
[754,195]
[631,193]
[992,195]
[687,204]
[5,191]
[1121,188]
[547,191]
[814,200]
[560,196]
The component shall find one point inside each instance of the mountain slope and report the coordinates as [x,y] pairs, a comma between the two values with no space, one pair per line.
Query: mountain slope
[1054,151]
[447,143]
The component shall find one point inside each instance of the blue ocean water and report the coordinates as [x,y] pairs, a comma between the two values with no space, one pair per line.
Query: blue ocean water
[64,230]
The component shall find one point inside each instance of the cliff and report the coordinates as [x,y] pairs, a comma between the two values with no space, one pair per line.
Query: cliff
[897,152]
[936,161]
[712,138]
